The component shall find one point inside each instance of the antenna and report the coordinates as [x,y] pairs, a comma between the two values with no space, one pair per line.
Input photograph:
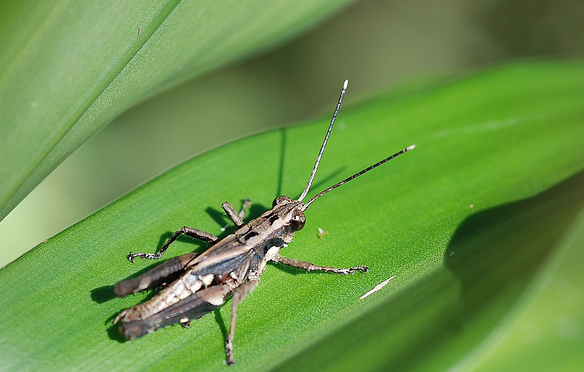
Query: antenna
[357,175]
[328,133]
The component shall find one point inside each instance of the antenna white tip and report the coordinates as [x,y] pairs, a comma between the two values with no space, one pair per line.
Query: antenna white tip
[410,147]
[345,84]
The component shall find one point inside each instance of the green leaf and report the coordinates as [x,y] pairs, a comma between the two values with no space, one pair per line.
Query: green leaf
[68,68]
[477,224]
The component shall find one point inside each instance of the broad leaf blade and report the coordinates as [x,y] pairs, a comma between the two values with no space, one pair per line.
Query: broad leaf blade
[467,222]
[69,68]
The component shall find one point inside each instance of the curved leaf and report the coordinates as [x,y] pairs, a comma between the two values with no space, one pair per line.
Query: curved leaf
[470,223]
[69,68]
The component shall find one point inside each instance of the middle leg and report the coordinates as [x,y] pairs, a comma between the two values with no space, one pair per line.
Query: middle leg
[189,231]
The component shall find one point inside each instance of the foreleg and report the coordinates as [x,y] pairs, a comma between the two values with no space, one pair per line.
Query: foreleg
[237,218]
[308,266]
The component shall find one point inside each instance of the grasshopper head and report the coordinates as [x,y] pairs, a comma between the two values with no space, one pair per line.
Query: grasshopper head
[290,211]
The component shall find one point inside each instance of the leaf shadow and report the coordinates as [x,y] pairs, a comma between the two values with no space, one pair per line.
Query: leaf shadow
[495,254]
[493,265]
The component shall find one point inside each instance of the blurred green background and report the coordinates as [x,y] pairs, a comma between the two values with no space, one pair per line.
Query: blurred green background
[376,44]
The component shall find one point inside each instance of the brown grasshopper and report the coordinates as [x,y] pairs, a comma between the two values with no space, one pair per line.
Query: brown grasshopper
[195,284]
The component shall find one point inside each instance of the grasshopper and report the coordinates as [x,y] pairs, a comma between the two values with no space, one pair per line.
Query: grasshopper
[195,284]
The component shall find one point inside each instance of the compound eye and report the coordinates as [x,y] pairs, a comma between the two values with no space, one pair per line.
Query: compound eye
[297,221]
[281,200]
